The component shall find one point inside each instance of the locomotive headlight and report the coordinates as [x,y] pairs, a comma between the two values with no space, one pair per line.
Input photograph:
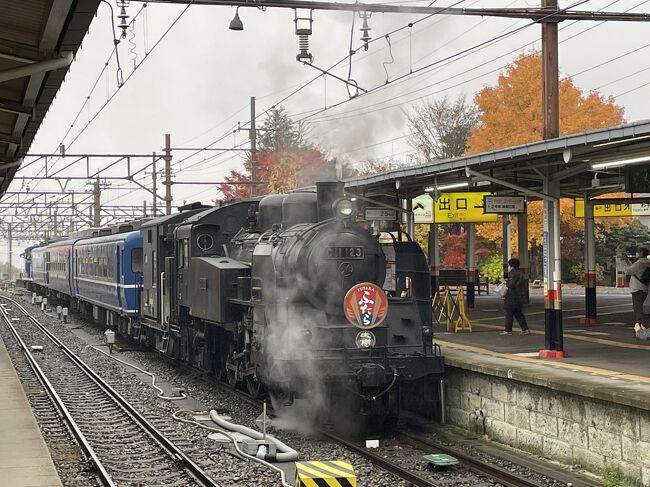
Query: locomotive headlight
[343,208]
[365,340]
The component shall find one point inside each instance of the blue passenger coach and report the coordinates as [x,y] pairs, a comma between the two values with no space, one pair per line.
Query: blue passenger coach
[108,272]
[59,267]
[39,266]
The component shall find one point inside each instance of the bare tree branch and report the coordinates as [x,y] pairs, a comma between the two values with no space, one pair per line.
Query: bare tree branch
[440,127]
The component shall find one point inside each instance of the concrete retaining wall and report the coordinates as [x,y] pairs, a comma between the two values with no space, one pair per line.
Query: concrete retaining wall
[569,428]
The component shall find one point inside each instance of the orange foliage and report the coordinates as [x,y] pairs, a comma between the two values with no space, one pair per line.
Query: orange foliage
[512,113]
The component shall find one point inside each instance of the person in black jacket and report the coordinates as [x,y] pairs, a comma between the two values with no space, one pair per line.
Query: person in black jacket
[514,299]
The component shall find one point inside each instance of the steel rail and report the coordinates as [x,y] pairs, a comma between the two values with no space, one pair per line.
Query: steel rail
[382,463]
[103,476]
[499,474]
[177,455]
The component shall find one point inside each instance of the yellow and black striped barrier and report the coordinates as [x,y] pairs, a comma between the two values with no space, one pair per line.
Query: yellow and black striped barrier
[336,473]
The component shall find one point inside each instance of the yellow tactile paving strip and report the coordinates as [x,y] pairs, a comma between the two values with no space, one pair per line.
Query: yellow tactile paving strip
[557,363]
[601,341]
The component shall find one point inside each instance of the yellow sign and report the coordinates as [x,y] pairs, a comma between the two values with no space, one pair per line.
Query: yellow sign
[461,208]
[612,209]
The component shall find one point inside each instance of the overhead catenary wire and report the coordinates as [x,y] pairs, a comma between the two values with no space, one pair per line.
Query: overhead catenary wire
[360,111]
[435,63]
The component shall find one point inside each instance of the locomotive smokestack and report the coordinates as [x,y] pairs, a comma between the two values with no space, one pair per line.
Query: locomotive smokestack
[326,193]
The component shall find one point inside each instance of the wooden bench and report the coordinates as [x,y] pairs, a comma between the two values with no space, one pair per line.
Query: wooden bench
[458,277]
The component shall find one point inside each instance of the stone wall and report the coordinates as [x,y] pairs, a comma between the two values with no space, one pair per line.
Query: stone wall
[569,428]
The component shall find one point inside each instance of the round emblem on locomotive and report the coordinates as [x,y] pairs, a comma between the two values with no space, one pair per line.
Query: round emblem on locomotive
[365,305]
[346,269]
[365,340]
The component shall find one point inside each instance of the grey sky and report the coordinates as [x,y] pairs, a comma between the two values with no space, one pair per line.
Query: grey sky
[196,84]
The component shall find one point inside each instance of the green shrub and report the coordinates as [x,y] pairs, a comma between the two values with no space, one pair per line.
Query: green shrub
[492,267]
[614,478]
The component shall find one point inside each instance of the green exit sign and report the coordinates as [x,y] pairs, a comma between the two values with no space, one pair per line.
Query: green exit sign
[637,179]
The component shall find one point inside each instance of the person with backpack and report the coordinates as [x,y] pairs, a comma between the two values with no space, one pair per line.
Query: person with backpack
[639,273]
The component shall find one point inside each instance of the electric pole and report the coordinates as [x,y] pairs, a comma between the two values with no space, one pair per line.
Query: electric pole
[97,205]
[10,239]
[168,175]
[553,329]
[253,136]
[154,176]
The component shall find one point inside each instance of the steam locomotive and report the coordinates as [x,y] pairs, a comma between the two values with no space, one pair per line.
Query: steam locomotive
[253,291]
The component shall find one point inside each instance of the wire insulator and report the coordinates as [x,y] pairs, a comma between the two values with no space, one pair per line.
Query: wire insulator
[303,46]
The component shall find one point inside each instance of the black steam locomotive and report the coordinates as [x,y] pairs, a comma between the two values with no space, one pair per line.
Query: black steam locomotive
[253,291]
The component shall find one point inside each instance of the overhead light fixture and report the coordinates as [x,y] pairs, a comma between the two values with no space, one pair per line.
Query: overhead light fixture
[236,23]
[622,162]
[430,189]
[613,142]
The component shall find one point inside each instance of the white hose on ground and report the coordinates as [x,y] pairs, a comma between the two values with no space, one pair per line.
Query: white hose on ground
[286,454]
[161,394]
[235,444]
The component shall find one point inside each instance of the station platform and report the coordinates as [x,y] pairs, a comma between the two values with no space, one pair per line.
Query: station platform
[605,361]
[24,457]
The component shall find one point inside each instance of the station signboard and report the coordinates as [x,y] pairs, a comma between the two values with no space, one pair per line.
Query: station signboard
[378,213]
[423,209]
[504,204]
[612,209]
[462,208]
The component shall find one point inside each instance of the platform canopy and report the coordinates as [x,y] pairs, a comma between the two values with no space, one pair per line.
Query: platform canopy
[594,162]
[37,41]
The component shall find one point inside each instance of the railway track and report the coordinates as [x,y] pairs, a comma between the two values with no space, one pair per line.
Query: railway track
[123,446]
[492,472]
[498,474]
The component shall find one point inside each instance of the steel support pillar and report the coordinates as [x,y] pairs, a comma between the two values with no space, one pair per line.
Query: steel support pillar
[590,265]
[506,247]
[522,249]
[470,259]
[410,217]
[434,257]
[553,332]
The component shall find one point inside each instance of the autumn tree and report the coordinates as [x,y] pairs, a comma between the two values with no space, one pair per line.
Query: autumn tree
[511,112]
[440,127]
[285,160]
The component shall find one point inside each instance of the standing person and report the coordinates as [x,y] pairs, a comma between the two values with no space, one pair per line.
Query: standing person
[639,290]
[515,298]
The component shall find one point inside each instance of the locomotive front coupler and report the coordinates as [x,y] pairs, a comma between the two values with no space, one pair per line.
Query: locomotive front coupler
[373,376]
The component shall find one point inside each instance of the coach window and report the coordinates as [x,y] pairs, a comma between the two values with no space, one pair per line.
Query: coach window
[136,260]
[111,264]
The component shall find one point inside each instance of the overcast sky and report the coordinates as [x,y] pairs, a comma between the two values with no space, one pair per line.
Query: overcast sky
[196,83]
